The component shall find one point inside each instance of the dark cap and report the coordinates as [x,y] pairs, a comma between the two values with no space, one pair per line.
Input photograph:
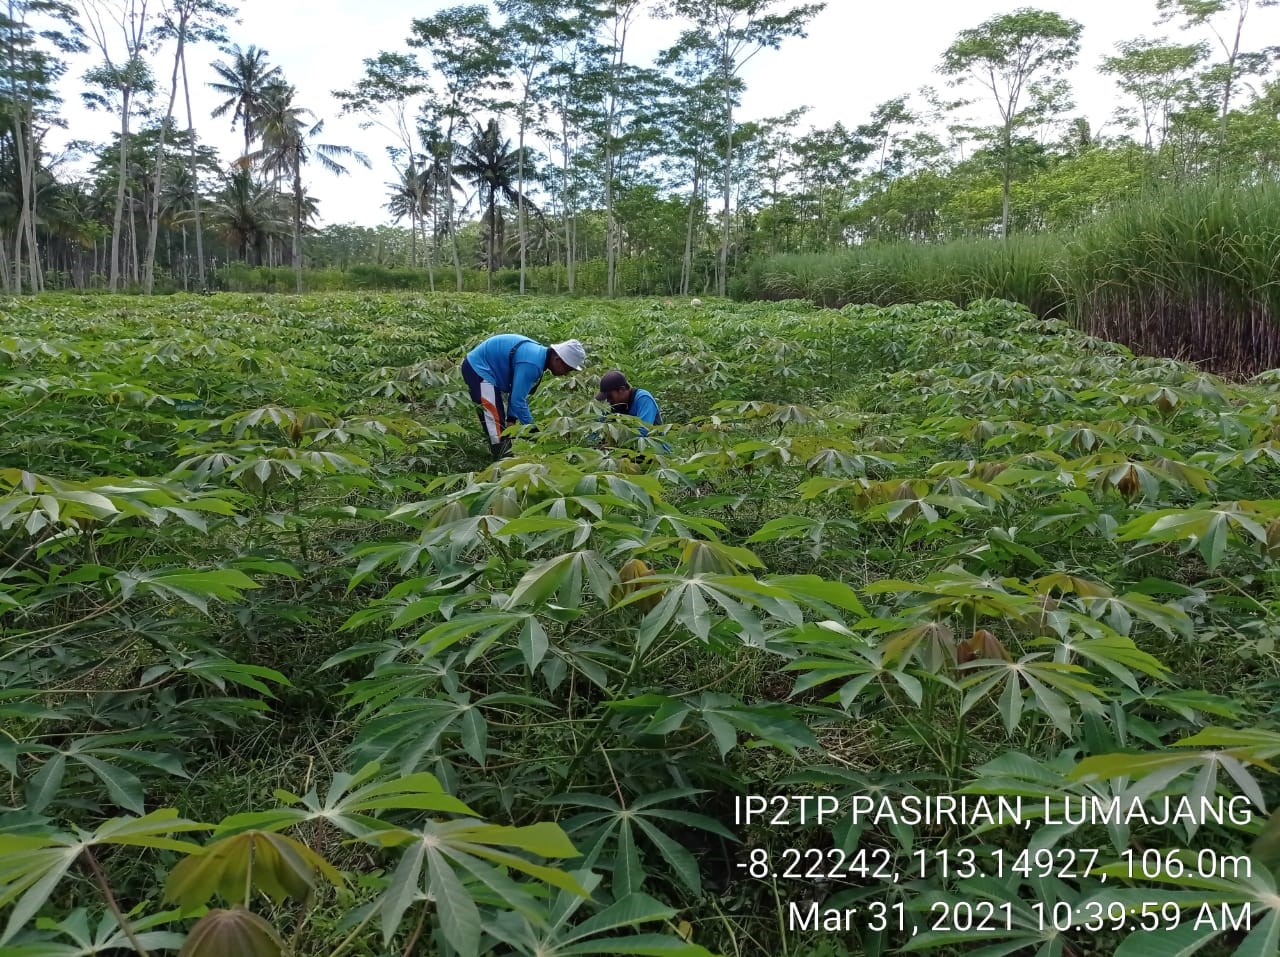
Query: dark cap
[609,381]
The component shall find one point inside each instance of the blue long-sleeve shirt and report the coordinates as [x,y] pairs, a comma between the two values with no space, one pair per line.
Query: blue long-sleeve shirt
[493,362]
[644,407]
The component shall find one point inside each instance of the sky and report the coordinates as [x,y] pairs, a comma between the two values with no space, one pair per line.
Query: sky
[857,54]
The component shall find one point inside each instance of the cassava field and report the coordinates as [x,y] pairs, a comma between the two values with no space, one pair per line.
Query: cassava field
[287,667]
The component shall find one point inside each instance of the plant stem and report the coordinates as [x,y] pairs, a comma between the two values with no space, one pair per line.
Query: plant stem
[101,880]
[346,942]
[417,931]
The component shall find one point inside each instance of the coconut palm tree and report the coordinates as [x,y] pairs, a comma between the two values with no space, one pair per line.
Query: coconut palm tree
[438,184]
[287,145]
[244,80]
[407,197]
[489,163]
[246,213]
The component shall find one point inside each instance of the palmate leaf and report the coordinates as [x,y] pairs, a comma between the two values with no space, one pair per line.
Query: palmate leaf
[864,670]
[1048,686]
[435,851]
[1207,529]
[220,933]
[549,933]
[100,755]
[564,577]
[193,587]
[697,602]
[725,717]
[273,863]
[1151,772]
[610,831]
[32,865]
[108,936]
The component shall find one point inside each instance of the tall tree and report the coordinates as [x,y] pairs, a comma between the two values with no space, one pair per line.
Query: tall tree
[288,143]
[1006,55]
[123,73]
[184,22]
[737,30]
[32,35]
[407,197]
[1158,76]
[688,115]
[465,53]
[388,96]
[532,31]
[488,161]
[1225,19]
[244,82]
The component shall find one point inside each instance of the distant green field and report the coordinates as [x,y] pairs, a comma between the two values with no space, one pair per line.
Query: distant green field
[278,641]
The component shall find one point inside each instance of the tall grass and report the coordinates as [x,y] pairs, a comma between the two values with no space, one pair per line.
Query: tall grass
[1193,273]
[1025,269]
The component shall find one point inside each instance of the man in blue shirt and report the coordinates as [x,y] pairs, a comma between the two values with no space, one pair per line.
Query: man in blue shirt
[511,366]
[626,400]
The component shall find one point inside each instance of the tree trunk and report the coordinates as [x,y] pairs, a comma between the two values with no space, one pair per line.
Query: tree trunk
[1008,176]
[435,241]
[195,182]
[686,266]
[25,158]
[122,173]
[453,234]
[297,216]
[33,247]
[611,257]
[149,273]
[722,278]
[520,223]
[133,240]
[5,281]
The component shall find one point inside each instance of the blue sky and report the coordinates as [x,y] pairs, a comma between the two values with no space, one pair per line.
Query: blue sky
[858,53]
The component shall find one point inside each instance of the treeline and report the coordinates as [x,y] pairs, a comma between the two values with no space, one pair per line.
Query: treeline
[524,137]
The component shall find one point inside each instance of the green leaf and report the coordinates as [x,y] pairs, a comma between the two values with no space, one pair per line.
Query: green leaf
[1182,941]
[220,933]
[279,866]
[125,788]
[819,592]
[627,911]
[46,782]
[458,914]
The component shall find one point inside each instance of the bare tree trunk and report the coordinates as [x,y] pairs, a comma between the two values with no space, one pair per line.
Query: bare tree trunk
[122,172]
[435,241]
[722,277]
[1007,183]
[448,206]
[149,273]
[568,208]
[195,182]
[686,267]
[611,227]
[33,247]
[520,181]
[297,216]
[25,161]
[5,281]
[133,239]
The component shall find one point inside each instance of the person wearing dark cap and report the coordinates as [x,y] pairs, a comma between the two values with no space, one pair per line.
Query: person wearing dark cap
[512,366]
[624,399]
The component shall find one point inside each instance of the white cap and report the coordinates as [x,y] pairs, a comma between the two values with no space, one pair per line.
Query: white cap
[572,352]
